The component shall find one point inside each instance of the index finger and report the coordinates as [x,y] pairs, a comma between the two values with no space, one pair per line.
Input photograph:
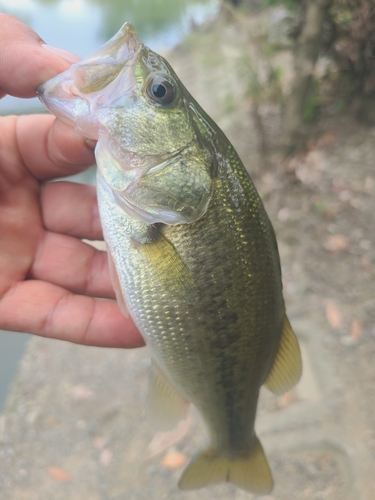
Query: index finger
[24,63]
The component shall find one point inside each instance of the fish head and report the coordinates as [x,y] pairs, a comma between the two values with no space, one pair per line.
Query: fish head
[155,150]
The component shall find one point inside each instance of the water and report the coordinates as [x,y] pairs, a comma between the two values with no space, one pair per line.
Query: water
[80,26]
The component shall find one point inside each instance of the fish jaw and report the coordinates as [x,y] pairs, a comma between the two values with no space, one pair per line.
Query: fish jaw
[83,95]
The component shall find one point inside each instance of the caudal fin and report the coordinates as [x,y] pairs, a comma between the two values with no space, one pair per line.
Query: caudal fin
[250,473]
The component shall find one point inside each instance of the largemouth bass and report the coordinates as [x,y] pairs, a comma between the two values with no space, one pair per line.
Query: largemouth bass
[193,255]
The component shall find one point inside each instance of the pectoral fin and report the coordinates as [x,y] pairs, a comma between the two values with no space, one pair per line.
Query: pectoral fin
[165,405]
[168,266]
[287,368]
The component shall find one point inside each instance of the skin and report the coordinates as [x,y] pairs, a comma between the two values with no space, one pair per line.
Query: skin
[51,283]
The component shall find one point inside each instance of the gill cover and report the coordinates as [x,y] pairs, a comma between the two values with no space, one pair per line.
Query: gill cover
[151,151]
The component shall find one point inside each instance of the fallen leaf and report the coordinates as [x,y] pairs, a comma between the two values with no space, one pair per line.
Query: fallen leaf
[269,183]
[292,163]
[355,202]
[331,211]
[288,398]
[336,243]
[283,214]
[106,457]
[345,195]
[99,442]
[81,391]
[327,140]
[369,184]
[355,330]
[367,264]
[333,314]
[58,474]
[173,459]
[309,170]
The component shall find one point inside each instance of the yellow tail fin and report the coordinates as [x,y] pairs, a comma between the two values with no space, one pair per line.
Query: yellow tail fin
[250,473]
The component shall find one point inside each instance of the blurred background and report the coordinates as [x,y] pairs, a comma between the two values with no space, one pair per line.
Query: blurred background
[292,84]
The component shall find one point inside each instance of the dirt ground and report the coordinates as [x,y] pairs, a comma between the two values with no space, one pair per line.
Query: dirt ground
[322,206]
[74,425]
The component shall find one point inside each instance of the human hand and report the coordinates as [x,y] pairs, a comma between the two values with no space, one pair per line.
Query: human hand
[51,283]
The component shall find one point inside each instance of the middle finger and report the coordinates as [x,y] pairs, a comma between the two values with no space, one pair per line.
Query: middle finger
[69,263]
[71,208]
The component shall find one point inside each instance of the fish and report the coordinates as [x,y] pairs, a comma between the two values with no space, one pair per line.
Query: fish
[192,253]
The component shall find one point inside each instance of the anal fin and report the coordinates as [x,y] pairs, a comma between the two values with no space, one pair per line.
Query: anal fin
[166,406]
[287,368]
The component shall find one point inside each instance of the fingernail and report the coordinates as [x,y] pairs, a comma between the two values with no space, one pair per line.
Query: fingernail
[63,54]
[90,143]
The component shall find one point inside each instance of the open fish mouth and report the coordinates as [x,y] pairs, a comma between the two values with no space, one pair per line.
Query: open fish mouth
[103,78]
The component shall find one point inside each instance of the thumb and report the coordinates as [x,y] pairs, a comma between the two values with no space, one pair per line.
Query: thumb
[25,60]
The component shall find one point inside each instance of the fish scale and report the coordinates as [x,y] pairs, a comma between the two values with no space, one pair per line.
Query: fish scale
[194,254]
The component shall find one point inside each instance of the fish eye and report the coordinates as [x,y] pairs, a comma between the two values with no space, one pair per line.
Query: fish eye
[161,90]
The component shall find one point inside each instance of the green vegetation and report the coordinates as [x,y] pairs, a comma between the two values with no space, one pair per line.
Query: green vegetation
[290,4]
[229,103]
[149,17]
[311,104]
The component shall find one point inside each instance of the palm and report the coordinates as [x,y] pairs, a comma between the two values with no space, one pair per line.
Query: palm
[51,283]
